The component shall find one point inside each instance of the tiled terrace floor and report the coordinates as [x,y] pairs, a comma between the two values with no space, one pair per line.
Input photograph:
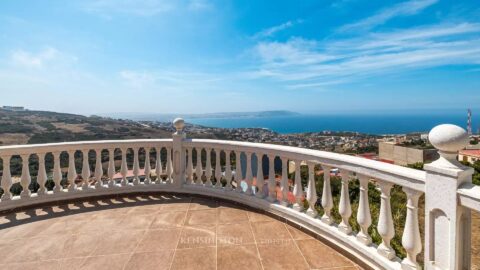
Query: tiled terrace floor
[157,232]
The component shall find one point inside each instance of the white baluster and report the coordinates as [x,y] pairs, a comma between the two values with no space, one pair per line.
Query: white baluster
[249,175]
[198,168]
[272,183]
[208,168]
[136,167]
[411,240]
[72,172]
[364,218]
[57,172]
[344,207]
[6,179]
[238,171]
[327,200]
[25,179]
[218,169]
[285,185]
[85,170]
[297,188]
[312,191]
[42,174]
[169,166]
[147,168]
[98,168]
[260,179]
[228,170]
[111,167]
[190,166]
[385,222]
[158,166]
[124,167]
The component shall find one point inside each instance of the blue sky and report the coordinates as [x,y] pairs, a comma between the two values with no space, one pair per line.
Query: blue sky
[194,56]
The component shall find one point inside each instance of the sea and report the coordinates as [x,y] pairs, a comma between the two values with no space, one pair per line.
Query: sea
[378,123]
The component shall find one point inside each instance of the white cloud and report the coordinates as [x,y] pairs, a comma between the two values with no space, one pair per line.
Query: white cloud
[199,5]
[33,60]
[408,8]
[275,29]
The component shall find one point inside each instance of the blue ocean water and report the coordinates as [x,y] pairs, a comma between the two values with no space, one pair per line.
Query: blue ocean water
[371,124]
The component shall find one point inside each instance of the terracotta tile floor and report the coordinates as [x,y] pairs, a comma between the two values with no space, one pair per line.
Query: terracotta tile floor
[157,232]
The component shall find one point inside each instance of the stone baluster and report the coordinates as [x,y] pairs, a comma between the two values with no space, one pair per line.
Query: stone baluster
[198,168]
[297,188]
[364,218]
[25,178]
[158,165]
[136,167]
[249,174]
[218,169]
[312,191]
[208,167]
[6,179]
[57,172]
[272,183]
[124,167]
[190,166]
[344,207]
[111,167]
[147,167]
[169,166]
[98,169]
[327,199]
[228,171]
[411,240]
[285,185]
[385,222]
[260,179]
[238,171]
[72,172]
[42,174]
[85,170]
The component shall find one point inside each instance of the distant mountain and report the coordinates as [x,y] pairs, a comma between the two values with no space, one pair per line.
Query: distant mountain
[169,117]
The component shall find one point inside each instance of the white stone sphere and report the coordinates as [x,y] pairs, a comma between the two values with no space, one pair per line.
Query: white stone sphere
[179,124]
[448,138]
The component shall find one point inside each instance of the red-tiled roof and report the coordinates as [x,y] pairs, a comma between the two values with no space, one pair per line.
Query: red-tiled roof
[470,152]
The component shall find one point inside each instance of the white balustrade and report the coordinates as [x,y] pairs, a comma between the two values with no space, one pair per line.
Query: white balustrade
[449,194]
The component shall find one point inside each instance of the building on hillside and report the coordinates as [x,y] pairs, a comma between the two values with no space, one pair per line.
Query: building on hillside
[403,155]
[13,108]
[469,155]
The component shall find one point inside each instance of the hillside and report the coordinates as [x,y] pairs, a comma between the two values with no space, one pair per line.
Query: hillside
[28,127]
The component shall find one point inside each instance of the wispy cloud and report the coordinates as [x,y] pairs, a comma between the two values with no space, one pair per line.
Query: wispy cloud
[269,32]
[311,63]
[408,8]
[26,59]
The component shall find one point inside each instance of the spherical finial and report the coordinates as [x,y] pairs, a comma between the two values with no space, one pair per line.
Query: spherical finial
[179,124]
[448,138]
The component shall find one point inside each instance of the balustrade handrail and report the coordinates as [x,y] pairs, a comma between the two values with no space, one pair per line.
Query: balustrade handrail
[402,176]
[469,196]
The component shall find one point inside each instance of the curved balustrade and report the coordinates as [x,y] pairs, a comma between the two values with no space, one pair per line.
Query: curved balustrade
[234,171]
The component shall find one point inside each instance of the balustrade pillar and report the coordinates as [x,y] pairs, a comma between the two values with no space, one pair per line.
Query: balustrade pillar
[124,167]
[411,240]
[285,185]
[344,207]
[6,179]
[218,169]
[42,174]
[238,171]
[364,218]
[272,183]
[136,167]
[297,188]
[179,161]
[98,168]
[385,222]
[327,199]
[85,170]
[57,172]
[190,166]
[72,172]
[228,170]
[158,165]
[198,168]
[249,176]
[169,169]
[260,178]
[208,168]
[25,178]
[111,167]
[147,167]
[312,191]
